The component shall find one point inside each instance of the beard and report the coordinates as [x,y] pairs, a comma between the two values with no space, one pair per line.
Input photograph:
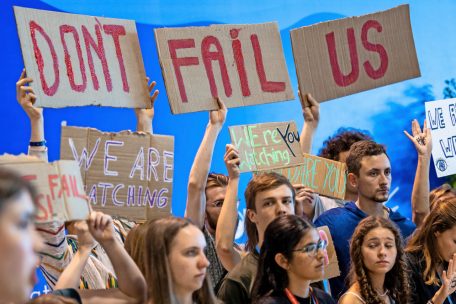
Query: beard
[380,198]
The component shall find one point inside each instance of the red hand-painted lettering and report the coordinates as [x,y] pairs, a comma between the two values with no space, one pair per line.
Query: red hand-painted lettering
[48,90]
[174,45]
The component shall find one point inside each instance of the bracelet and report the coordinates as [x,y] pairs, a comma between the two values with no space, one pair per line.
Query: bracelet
[38,143]
[430,302]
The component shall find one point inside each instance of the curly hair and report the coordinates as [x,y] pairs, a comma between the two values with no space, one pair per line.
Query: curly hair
[396,280]
[341,141]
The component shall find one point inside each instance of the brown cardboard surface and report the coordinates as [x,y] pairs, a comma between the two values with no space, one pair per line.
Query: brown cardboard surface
[192,58]
[59,184]
[381,44]
[125,174]
[332,268]
[324,176]
[267,145]
[63,53]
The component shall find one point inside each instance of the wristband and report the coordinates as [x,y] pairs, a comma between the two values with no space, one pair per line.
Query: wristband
[38,143]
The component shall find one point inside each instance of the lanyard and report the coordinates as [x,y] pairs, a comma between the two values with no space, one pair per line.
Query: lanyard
[292,298]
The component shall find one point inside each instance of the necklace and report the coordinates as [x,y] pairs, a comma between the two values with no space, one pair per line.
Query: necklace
[382,294]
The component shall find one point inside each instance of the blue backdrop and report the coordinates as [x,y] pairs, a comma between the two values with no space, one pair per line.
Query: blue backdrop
[385,112]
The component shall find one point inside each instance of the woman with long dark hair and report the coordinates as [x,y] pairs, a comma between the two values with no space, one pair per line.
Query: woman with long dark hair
[378,272]
[292,255]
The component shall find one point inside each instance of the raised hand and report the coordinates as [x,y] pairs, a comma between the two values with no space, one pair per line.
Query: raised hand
[449,278]
[101,227]
[232,161]
[310,109]
[144,117]
[420,138]
[26,97]
[304,201]
[85,239]
[218,117]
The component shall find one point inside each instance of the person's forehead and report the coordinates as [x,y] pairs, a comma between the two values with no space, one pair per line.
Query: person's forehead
[277,192]
[189,236]
[379,233]
[375,161]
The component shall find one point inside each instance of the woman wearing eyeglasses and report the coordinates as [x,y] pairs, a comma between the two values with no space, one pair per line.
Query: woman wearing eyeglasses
[378,272]
[292,255]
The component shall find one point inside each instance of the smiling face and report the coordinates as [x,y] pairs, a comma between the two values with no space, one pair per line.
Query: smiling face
[270,204]
[19,244]
[187,261]
[379,250]
[374,179]
[304,265]
[446,243]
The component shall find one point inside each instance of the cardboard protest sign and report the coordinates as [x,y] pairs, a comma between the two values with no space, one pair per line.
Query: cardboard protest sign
[243,64]
[125,174]
[441,119]
[267,145]
[59,184]
[332,267]
[78,60]
[324,176]
[350,55]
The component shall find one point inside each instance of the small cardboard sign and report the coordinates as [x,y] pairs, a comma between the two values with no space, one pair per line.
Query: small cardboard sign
[267,145]
[59,184]
[324,176]
[332,267]
[350,55]
[78,60]
[441,119]
[243,64]
[126,174]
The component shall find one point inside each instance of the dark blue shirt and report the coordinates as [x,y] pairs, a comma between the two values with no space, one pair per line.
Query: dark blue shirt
[342,223]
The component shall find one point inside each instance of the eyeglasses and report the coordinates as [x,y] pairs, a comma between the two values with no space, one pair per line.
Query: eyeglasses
[312,249]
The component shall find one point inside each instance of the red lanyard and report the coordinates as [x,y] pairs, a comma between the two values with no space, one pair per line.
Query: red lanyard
[292,299]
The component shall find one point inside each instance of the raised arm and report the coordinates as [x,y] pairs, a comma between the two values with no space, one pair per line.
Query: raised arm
[144,117]
[26,98]
[226,225]
[196,196]
[420,193]
[311,114]
[132,285]
[70,277]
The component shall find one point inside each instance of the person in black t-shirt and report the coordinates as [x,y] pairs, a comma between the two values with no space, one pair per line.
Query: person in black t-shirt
[291,256]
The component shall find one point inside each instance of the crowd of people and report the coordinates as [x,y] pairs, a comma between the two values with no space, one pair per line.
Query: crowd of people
[383,256]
